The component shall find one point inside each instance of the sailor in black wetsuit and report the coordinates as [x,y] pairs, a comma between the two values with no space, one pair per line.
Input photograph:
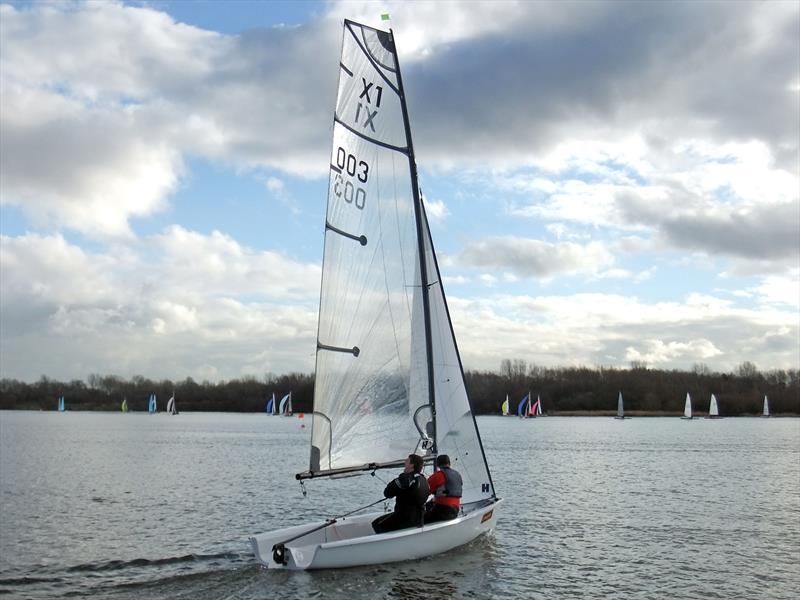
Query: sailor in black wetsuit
[410,491]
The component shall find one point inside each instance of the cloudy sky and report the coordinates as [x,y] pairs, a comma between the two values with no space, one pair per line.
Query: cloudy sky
[608,182]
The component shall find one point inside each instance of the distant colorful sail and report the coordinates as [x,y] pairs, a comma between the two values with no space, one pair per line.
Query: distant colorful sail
[124,406]
[523,407]
[270,407]
[504,406]
[535,408]
[61,406]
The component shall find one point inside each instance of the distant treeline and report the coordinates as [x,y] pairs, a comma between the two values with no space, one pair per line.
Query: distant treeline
[563,390]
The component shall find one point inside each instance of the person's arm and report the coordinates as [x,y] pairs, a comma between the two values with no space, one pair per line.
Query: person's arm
[396,486]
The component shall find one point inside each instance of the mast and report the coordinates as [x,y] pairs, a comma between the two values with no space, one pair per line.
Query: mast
[418,212]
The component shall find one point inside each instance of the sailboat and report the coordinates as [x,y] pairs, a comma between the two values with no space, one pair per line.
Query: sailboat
[765,412]
[524,406]
[713,409]
[124,406]
[620,408]
[389,380]
[285,408]
[152,405]
[61,406]
[687,407]
[536,408]
[271,407]
[504,407]
[172,409]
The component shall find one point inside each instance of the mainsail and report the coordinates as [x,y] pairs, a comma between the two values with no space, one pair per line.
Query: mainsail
[523,408]
[389,380]
[620,408]
[713,409]
[172,408]
[687,407]
[285,407]
[765,412]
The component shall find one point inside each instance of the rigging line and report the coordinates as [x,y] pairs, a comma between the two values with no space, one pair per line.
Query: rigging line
[279,549]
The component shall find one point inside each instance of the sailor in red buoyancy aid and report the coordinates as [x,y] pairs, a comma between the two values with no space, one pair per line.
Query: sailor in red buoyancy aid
[445,485]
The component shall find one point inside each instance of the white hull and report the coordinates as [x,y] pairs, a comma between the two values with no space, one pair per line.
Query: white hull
[350,542]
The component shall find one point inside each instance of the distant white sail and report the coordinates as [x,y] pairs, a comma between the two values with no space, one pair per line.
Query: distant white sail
[766,407]
[286,405]
[620,408]
[687,407]
[713,410]
[171,408]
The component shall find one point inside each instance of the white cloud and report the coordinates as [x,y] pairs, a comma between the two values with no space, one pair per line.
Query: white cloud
[166,306]
[436,210]
[779,290]
[592,329]
[533,258]
[657,353]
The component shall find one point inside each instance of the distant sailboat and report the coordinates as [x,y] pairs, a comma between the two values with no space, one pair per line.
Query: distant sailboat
[536,407]
[124,406]
[61,407]
[504,407]
[620,408]
[272,407]
[766,407]
[687,407]
[524,406]
[285,408]
[713,409]
[152,405]
[172,409]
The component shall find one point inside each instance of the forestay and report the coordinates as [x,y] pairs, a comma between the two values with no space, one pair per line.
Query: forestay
[389,380]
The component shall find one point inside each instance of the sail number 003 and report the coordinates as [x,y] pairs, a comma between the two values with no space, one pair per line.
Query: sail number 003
[359,169]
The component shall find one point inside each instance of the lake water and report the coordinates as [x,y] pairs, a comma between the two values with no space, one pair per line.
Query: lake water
[136,506]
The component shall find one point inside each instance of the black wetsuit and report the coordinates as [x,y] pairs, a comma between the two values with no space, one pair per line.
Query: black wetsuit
[410,491]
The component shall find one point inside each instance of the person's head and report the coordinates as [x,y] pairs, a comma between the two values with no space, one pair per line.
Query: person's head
[442,461]
[414,463]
